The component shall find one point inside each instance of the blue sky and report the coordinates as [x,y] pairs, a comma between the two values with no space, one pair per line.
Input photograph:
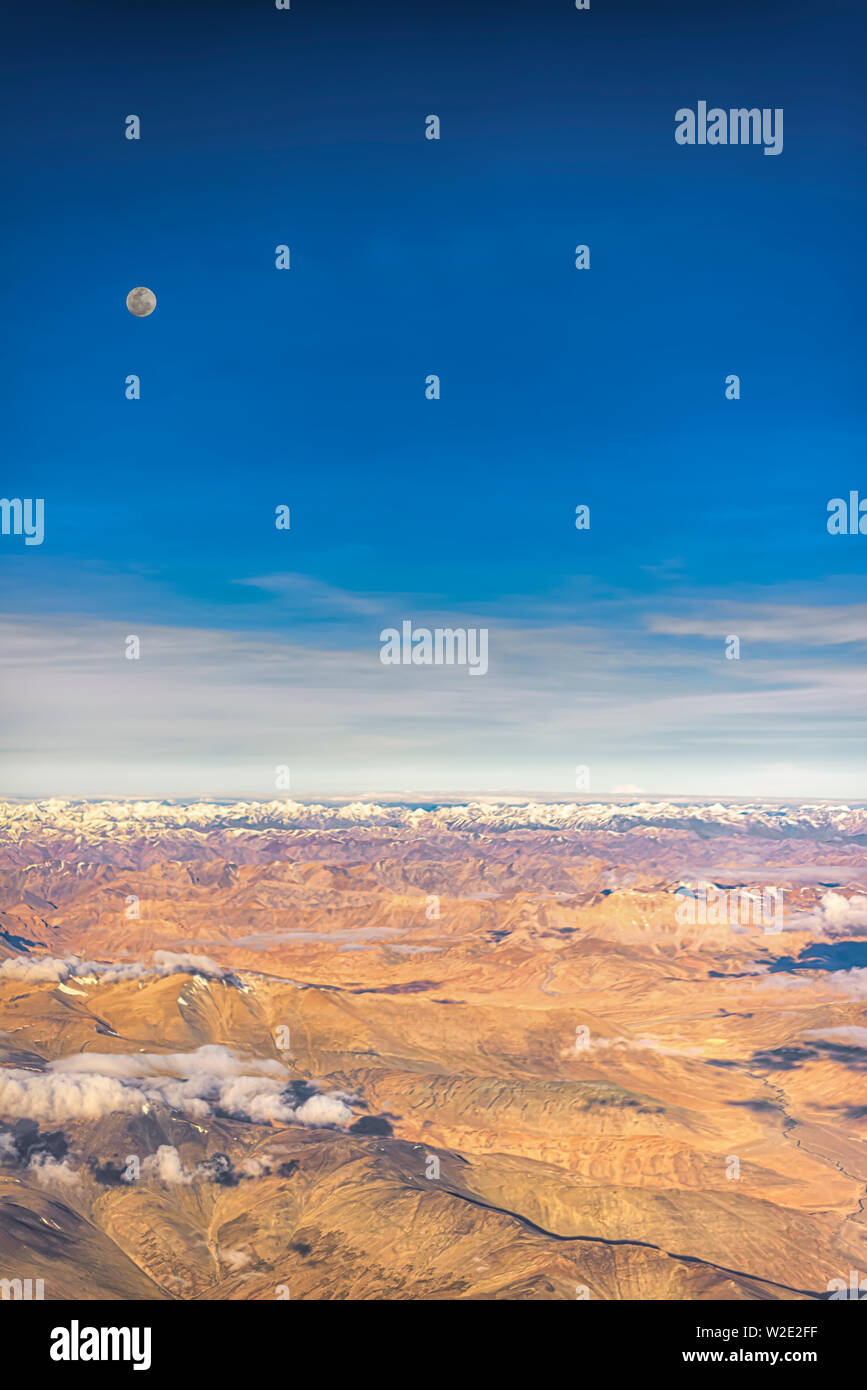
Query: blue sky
[306,387]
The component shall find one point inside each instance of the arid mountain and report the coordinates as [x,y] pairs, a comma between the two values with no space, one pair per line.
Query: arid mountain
[493,1051]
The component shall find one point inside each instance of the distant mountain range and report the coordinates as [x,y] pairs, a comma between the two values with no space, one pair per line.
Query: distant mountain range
[819,820]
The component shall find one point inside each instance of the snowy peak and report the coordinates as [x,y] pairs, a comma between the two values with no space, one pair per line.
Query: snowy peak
[120,819]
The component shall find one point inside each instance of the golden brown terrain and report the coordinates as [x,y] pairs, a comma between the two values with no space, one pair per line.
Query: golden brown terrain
[257,1052]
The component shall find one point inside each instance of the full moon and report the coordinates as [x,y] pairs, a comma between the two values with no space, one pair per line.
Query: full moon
[141,302]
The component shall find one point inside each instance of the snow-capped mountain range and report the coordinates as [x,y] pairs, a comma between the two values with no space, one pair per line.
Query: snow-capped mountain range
[119,819]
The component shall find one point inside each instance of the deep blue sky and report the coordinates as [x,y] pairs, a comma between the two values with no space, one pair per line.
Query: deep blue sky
[410,257]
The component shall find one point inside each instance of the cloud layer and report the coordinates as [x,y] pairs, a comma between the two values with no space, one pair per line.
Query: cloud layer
[210,1081]
[56,970]
[656,703]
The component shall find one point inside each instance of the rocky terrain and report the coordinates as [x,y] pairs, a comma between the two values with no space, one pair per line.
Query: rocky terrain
[259,1051]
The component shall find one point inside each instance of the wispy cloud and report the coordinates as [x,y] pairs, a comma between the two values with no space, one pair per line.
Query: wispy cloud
[792,624]
[306,595]
[215,710]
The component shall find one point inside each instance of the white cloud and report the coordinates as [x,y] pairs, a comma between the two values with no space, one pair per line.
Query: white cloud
[56,970]
[794,624]
[55,1098]
[88,1086]
[650,707]
[852,1035]
[257,1167]
[35,971]
[850,982]
[312,596]
[641,1044]
[166,1166]
[235,1259]
[838,913]
[52,1172]
[324,1110]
